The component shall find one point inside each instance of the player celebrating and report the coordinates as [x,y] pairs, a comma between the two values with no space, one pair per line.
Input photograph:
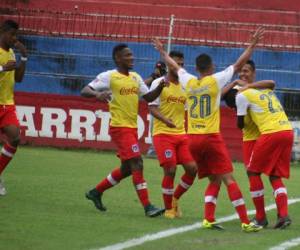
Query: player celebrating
[272,150]
[10,72]
[123,100]
[170,139]
[206,143]
[250,133]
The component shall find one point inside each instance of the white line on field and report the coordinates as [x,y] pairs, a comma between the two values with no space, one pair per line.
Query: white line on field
[170,232]
[287,244]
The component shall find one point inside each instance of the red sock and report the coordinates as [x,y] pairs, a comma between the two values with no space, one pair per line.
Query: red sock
[7,154]
[167,190]
[237,200]
[111,180]
[211,195]
[257,194]
[140,186]
[281,198]
[184,185]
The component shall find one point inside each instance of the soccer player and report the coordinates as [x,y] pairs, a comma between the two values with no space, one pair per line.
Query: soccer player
[10,72]
[170,139]
[206,143]
[250,132]
[272,150]
[123,97]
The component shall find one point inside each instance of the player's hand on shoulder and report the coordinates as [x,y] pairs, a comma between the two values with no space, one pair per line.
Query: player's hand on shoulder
[9,66]
[164,83]
[104,96]
[20,46]
[240,83]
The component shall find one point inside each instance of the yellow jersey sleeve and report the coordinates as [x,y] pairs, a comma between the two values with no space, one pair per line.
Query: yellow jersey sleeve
[171,104]
[265,110]
[7,78]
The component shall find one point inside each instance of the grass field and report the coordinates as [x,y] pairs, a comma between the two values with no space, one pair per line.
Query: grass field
[46,209]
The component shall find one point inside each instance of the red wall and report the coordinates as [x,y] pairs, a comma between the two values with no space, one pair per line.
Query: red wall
[69,115]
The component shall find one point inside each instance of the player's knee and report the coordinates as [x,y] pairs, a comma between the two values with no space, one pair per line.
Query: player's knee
[135,163]
[191,169]
[170,171]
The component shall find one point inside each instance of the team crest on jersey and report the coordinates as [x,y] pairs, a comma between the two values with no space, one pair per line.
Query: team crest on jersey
[168,153]
[135,148]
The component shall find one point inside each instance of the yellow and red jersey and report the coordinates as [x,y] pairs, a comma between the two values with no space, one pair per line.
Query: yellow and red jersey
[203,99]
[126,90]
[171,104]
[265,110]
[250,130]
[7,78]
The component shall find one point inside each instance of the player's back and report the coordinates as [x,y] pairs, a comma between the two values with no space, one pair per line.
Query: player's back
[266,110]
[203,97]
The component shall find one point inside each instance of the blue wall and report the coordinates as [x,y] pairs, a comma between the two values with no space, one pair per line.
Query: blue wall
[63,66]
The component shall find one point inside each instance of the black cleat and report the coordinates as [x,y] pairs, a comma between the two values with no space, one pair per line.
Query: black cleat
[152,211]
[283,222]
[264,222]
[96,197]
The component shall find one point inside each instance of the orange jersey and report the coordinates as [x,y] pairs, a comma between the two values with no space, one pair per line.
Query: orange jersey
[125,89]
[265,110]
[7,78]
[171,104]
[203,99]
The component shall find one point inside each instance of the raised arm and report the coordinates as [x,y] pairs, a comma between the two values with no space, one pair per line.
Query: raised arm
[245,56]
[167,59]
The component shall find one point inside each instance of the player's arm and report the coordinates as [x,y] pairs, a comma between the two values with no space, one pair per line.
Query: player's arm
[228,87]
[154,110]
[93,89]
[245,56]
[242,105]
[151,95]
[264,84]
[20,68]
[164,54]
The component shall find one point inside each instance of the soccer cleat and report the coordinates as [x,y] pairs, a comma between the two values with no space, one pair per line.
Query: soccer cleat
[211,225]
[264,222]
[170,213]
[2,188]
[283,222]
[152,211]
[176,208]
[251,227]
[96,197]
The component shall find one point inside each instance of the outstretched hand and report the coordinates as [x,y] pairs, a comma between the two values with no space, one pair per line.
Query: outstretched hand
[257,36]
[158,44]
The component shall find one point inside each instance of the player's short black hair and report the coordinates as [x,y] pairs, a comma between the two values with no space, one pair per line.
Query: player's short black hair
[117,49]
[8,25]
[252,64]
[203,62]
[176,53]
[229,98]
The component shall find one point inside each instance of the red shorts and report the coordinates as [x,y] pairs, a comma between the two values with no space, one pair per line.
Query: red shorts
[272,154]
[172,149]
[247,151]
[126,140]
[210,154]
[8,116]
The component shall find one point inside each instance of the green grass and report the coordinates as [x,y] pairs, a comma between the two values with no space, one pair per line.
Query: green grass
[45,207]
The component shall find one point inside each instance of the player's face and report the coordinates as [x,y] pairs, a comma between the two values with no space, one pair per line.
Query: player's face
[179,61]
[247,74]
[10,37]
[125,58]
